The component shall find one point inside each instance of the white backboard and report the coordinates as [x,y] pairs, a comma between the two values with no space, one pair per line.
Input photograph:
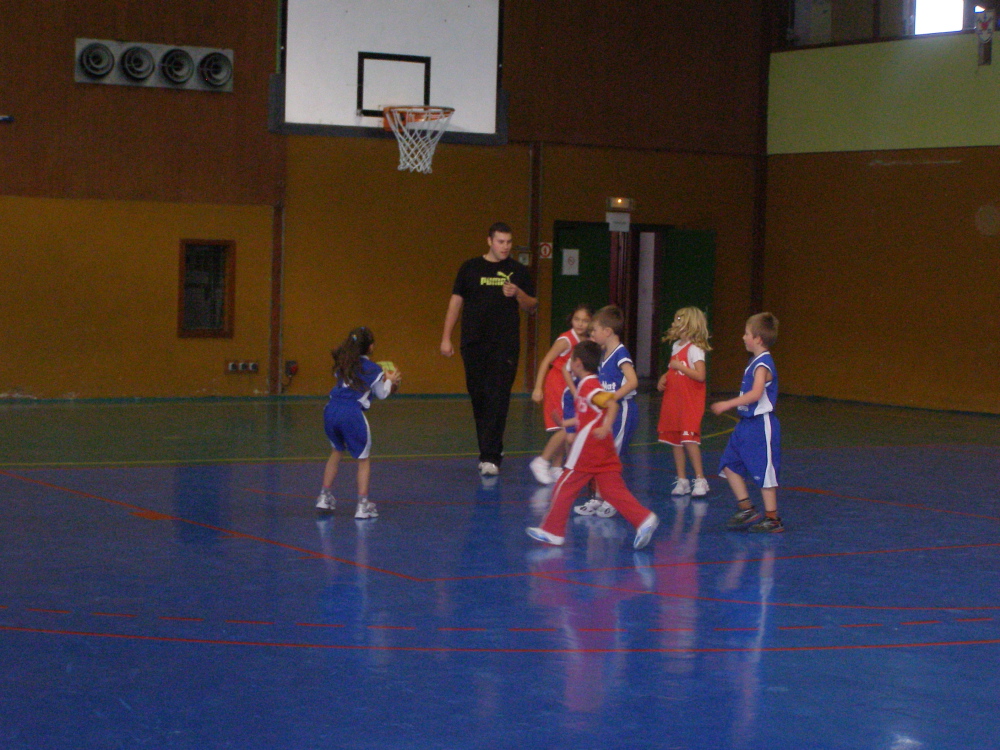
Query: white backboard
[346,59]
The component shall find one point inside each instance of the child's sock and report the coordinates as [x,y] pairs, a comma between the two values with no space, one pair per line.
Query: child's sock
[772,514]
[744,504]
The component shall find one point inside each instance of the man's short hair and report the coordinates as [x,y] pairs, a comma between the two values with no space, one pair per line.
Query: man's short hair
[589,353]
[499,226]
[764,325]
[610,317]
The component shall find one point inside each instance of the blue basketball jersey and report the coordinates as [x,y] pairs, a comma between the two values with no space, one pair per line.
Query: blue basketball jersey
[610,373]
[770,396]
[343,394]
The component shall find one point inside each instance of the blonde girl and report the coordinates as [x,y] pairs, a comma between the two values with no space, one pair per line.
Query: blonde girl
[683,387]
[551,383]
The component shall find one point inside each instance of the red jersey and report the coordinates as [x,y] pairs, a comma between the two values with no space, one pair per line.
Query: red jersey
[555,381]
[589,454]
[683,403]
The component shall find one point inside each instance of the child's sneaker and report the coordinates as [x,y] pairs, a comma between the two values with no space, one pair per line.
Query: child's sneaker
[742,517]
[700,487]
[768,525]
[589,508]
[540,468]
[645,531]
[326,500]
[366,509]
[681,487]
[541,535]
[488,469]
[607,510]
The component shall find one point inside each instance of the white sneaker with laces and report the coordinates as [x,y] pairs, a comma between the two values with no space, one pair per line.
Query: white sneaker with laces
[326,500]
[488,469]
[645,531]
[541,469]
[541,535]
[681,487]
[366,509]
[589,508]
[607,510]
[700,487]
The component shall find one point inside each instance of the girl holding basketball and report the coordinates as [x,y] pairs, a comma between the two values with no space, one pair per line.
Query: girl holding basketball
[550,385]
[683,386]
[358,378]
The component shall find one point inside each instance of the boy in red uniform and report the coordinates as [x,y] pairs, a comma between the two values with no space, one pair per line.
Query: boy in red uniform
[592,455]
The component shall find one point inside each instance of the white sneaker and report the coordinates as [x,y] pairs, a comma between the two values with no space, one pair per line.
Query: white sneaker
[540,535]
[366,509]
[326,500]
[555,472]
[645,531]
[488,469]
[700,487]
[541,469]
[607,510]
[681,487]
[589,508]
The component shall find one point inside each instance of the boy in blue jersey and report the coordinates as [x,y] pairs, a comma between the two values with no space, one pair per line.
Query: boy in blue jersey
[617,376]
[754,449]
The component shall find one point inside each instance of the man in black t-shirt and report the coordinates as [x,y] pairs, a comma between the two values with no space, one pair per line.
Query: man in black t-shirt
[489,293]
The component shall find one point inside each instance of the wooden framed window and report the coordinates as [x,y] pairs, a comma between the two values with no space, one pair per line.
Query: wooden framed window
[206,297]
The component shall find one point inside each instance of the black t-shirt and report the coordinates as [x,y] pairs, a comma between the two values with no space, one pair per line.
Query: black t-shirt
[487,315]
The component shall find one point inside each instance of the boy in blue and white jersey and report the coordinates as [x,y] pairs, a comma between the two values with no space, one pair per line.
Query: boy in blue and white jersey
[617,376]
[754,449]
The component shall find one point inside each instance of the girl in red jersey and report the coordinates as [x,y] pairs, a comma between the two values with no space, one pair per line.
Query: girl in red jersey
[683,386]
[550,385]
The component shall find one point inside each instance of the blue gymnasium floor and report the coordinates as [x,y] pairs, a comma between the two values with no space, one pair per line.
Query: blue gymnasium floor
[166,583]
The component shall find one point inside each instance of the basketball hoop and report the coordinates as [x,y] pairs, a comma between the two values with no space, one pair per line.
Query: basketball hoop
[417,130]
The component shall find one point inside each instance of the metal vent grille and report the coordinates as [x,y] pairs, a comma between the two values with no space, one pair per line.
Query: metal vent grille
[116,63]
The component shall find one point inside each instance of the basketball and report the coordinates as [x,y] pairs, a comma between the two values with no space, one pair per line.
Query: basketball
[602,399]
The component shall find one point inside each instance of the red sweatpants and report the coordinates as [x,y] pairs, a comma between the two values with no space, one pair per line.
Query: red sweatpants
[612,488]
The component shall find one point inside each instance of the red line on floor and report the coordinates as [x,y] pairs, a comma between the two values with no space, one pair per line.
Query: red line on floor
[760,603]
[533,630]
[863,625]
[469,630]
[50,611]
[469,649]
[973,619]
[915,506]
[238,534]
[800,627]
[671,630]
[922,622]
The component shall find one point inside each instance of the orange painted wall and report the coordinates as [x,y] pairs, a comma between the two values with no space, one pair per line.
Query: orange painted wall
[89,299]
[886,287]
[367,244]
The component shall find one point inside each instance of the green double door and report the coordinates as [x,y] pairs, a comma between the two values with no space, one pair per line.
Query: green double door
[683,267]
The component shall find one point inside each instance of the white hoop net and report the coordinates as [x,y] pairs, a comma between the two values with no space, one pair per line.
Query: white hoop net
[417,130]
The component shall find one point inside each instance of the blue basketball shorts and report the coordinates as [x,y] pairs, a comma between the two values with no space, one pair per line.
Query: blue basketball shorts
[754,450]
[347,428]
[625,426]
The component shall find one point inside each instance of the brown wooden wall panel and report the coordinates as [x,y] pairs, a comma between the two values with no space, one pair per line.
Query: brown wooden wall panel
[97,141]
[635,74]
[886,285]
